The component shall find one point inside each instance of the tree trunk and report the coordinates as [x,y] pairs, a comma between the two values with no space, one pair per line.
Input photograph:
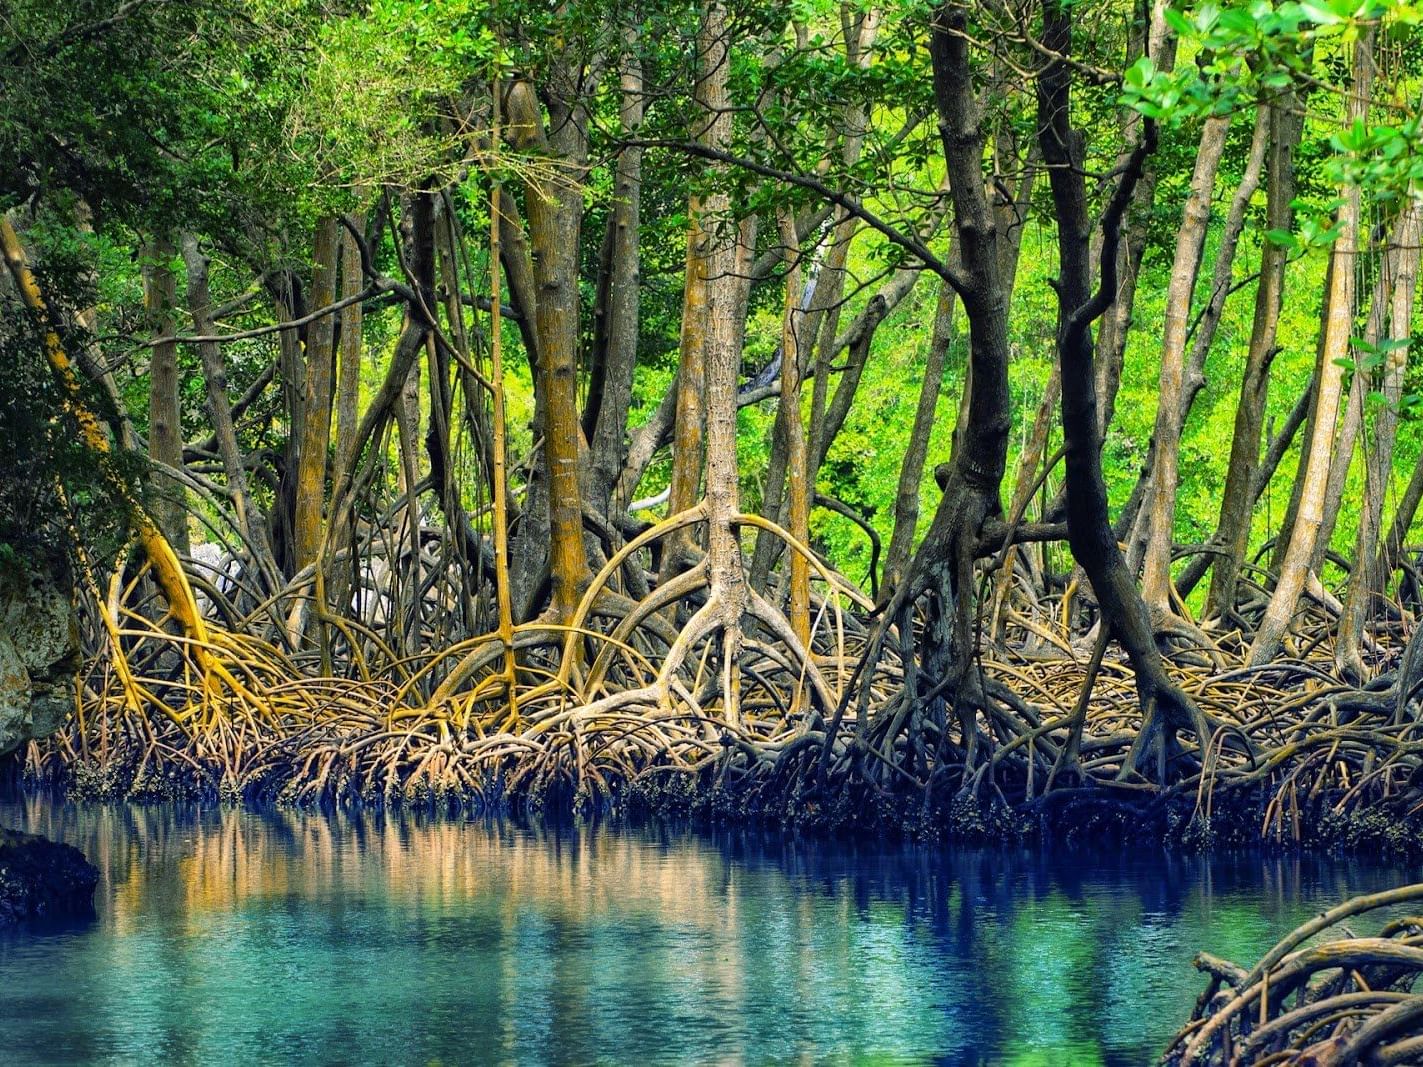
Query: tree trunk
[724,272]
[1165,709]
[1360,386]
[943,565]
[911,471]
[165,430]
[555,211]
[348,381]
[1275,451]
[1154,40]
[1338,325]
[167,570]
[1190,244]
[1223,273]
[316,398]
[529,532]
[1134,521]
[642,446]
[1238,498]
[1134,516]
[215,379]
[830,287]
[691,369]
[620,328]
[797,489]
[1391,551]
[288,305]
[1365,582]
[830,421]
[88,356]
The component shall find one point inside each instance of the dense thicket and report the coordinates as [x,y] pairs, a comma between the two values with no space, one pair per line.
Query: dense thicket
[820,407]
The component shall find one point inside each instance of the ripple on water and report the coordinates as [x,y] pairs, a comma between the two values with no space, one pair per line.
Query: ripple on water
[225,936]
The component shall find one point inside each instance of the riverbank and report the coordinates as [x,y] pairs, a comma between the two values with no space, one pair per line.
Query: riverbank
[1040,747]
[1101,815]
[1088,816]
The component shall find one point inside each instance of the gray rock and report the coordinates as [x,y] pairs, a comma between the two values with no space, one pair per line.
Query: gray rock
[39,658]
[39,649]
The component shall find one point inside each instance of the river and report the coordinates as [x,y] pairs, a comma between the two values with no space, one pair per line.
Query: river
[238,937]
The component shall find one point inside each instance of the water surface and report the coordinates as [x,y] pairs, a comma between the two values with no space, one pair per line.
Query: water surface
[232,937]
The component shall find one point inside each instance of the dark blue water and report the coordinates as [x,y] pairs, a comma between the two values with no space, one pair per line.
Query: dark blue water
[227,937]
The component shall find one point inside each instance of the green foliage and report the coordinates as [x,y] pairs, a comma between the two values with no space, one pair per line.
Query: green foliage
[246,122]
[383,103]
[1257,49]
[52,483]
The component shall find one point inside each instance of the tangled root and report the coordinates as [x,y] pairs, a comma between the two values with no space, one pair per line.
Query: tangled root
[636,693]
[626,690]
[1344,1001]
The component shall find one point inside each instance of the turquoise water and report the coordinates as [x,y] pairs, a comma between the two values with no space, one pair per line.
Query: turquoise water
[227,937]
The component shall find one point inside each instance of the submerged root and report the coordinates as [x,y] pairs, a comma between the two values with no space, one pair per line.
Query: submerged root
[1335,1002]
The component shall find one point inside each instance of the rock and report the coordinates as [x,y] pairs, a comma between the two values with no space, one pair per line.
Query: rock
[39,648]
[39,658]
[41,879]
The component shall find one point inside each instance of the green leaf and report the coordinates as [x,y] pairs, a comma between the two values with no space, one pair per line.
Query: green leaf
[1178,22]
[1140,73]
[1321,14]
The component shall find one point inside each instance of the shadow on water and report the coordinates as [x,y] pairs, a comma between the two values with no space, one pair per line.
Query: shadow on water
[227,936]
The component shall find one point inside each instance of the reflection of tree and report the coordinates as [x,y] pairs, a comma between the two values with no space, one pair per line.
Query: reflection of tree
[226,933]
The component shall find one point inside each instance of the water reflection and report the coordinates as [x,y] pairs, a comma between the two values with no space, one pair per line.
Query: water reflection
[234,937]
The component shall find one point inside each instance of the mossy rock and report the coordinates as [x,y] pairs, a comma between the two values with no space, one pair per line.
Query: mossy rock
[39,648]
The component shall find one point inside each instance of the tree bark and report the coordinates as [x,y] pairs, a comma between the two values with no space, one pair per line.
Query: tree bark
[1365,581]
[165,430]
[1155,40]
[1165,709]
[725,271]
[288,305]
[1338,325]
[89,358]
[316,398]
[1361,383]
[554,205]
[620,328]
[529,532]
[1391,551]
[943,565]
[911,471]
[1134,521]
[348,381]
[1238,498]
[797,489]
[1165,475]
[215,380]
[691,368]
[167,569]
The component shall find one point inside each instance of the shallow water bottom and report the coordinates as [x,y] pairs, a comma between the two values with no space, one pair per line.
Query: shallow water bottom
[238,937]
